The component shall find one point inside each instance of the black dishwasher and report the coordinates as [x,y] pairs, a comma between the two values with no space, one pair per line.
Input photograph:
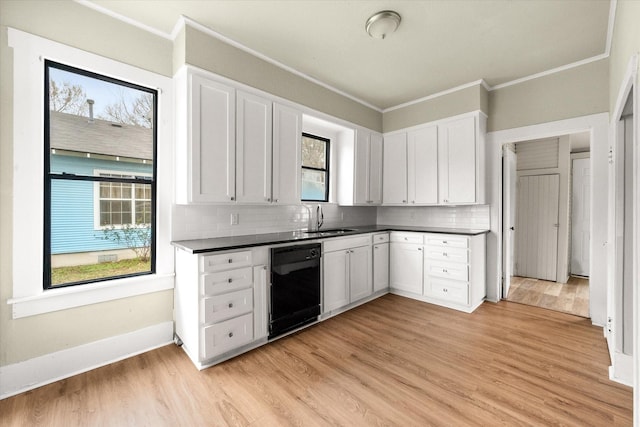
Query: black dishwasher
[295,287]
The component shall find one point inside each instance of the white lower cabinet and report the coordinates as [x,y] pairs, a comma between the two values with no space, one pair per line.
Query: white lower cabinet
[380,262]
[406,262]
[347,271]
[220,303]
[447,270]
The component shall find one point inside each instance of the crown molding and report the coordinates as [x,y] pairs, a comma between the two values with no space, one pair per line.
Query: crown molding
[480,82]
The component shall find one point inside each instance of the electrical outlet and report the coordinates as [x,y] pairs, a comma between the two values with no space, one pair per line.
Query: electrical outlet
[235,218]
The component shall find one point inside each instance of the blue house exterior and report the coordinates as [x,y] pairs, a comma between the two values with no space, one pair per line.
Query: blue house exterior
[76,205]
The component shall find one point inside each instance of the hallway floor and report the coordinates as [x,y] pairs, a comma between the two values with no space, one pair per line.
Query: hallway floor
[571,297]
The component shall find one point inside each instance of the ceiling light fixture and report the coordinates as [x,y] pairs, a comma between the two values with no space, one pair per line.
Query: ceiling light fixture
[382,24]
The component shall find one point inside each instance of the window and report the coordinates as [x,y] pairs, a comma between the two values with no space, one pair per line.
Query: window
[100,177]
[315,168]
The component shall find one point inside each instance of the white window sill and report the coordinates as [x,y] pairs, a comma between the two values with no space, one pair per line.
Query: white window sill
[81,295]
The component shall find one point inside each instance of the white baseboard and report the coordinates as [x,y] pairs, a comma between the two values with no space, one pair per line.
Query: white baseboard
[39,371]
[621,370]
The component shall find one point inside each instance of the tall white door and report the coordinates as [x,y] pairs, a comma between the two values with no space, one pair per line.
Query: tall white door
[580,204]
[509,181]
[537,226]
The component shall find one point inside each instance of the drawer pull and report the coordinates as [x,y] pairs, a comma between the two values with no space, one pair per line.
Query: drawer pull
[445,290]
[230,334]
[230,260]
[444,254]
[230,305]
[230,280]
[444,270]
[419,249]
[444,242]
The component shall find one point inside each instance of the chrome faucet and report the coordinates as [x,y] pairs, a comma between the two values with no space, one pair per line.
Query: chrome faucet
[319,217]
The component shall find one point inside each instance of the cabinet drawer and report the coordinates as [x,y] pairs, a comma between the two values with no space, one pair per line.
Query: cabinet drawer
[407,238]
[457,292]
[226,281]
[446,240]
[448,270]
[439,253]
[341,243]
[380,238]
[225,261]
[224,336]
[226,306]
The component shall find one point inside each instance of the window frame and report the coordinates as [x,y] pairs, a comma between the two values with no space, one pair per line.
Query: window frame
[29,297]
[50,176]
[326,170]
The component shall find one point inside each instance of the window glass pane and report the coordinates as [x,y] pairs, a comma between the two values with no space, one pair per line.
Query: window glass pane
[313,185]
[314,153]
[80,251]
[92,120]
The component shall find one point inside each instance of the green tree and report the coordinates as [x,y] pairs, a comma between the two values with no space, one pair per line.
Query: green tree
[135,237]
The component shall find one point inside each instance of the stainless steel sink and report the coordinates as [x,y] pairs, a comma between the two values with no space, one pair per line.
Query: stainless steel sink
[329,232]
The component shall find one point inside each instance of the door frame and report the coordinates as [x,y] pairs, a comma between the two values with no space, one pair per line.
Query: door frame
[508,228]
[598,127]
[575,156]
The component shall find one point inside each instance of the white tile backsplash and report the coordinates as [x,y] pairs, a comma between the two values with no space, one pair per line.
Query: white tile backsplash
[201,222]
[474,217]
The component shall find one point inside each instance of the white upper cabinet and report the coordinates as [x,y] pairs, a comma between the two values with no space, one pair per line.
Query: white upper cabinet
[287,132]
[441,163]
[458,155]
[394,183]
[253,144]
[360,169]
[422,166]
[205,140]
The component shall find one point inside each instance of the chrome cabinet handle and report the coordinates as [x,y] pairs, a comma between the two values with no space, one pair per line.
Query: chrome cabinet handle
[233,198]
[230,280]
[230,334]
[230,305]
[230,260]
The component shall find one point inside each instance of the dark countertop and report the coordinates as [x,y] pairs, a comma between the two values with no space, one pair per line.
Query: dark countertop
[198,246]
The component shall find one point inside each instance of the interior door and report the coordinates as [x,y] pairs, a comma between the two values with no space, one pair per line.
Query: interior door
[580,204]
[537,226]
[509,181]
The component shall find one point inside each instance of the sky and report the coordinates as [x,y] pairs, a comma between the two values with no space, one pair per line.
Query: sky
[103,93]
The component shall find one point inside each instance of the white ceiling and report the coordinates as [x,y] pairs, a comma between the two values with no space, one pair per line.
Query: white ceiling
[440,44]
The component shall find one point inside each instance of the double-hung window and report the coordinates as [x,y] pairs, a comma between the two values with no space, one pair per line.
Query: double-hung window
[315,168]
[100,177]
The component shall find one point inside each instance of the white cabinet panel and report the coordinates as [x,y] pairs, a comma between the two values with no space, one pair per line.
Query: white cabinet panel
[405,267]
[380,266]
[394,183]
[457,161]
[287,132]
[225,261]
[253,144]
[360,169]
[212,142]
[222,307]
[449,290]
[375,169]
[226,281]
[224,336]
[360,270]
[422,173]
[335,280]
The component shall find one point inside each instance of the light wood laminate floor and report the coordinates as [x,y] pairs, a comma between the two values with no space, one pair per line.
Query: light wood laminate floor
[393,361]
[571,297]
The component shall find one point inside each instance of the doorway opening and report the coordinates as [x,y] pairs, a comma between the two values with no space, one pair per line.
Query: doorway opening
[546,205]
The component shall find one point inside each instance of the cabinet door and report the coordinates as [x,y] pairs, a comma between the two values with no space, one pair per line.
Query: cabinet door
[260,305]
[287,131]
[212,159]
[394,178]
[457,161]
[375,168]
[335,284]
[422,168]
[361,168]
[405,267]
[254,136]
[360,271]
[380,267]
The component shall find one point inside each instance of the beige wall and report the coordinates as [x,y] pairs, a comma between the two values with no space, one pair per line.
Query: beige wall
[571,93]
[458,102]
[626,42]
[78,26]
[209,53]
